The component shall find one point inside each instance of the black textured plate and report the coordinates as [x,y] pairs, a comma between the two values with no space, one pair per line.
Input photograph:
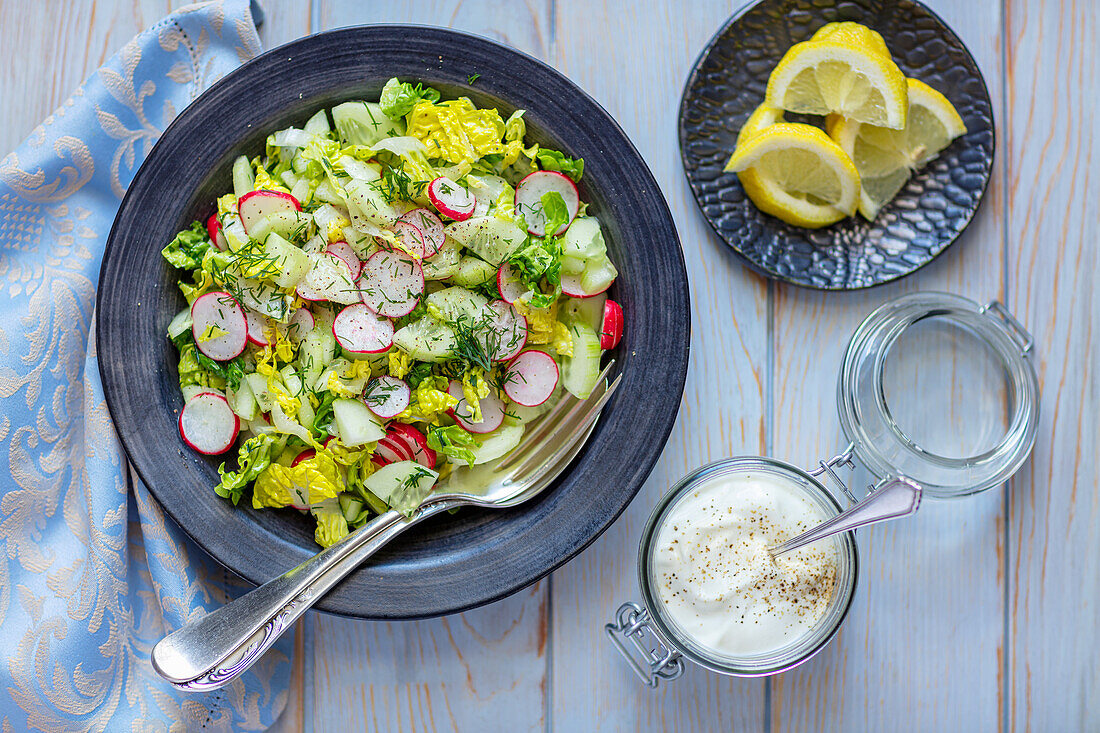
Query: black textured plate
[455,562]
[728,82]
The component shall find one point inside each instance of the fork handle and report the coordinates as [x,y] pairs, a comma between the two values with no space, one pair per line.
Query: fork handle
[210,652]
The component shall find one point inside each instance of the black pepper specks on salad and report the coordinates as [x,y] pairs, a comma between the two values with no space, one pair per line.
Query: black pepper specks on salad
[389,294]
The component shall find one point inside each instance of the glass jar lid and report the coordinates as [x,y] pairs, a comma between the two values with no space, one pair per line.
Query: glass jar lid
[941,390]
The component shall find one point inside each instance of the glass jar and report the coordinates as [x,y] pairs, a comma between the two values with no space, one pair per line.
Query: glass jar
[973,436]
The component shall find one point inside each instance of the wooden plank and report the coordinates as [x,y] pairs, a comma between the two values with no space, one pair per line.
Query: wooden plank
[1054,509]
[921,648]
[481,670]
[637,73]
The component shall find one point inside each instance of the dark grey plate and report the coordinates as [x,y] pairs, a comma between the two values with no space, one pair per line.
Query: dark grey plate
[455,562]
[727,83]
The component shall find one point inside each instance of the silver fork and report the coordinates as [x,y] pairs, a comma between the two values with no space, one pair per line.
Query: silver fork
[212,651]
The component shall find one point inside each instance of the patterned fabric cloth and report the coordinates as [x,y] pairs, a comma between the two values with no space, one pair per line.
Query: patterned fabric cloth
[92,574]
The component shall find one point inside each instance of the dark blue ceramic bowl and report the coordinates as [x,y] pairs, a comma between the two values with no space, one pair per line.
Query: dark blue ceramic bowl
[453,563]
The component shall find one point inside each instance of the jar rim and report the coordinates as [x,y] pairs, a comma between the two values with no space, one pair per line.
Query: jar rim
[799,650]
[884,446]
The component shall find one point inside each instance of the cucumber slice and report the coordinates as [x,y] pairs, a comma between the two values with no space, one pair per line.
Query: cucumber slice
[317,124]
[356,423]
[598,275]
[583,239]
[292,262]
[363,123]
[588,311]
[495,444]
[490,238]
[426,339]
[579,372]
[472,271]
[243,178]
[455,303]
[443,263]
[402,485]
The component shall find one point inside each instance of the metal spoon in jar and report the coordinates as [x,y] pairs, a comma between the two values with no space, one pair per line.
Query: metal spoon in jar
[898,497]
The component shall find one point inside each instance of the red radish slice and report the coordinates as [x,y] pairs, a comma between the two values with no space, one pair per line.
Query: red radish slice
[208,425]
[301,323]
[330,279]
[255,205]
[392,451]
[214,229]
[255,327]
[413,240]
[391,283]
[612,330]
[360,330]
[531,378]
[510,329]
[492,411]
[429,224]
[509,284]
[219,313]
[303,456]
[571,286]
[451,199]
[529,193]
[387,396]
[347,255]
[416,442]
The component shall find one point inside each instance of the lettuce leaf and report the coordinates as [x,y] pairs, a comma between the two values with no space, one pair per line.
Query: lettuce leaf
[254,455]
[399,97]
[554,160]
[331,524]
[188,248]
[452,441]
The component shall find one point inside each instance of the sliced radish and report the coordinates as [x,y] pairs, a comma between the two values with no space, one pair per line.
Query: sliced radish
[509,284]
[429,224]
[571,286]
[531,378]
[208,425]
[214,229]
[510,330]
[451,199]
[387,396]
[492,411]
[414,240]
[529,193]
[392,451]
[255,205]
[391,283]
[220,314]
[416,442]
[612,330]
[303,456]
[255,327]
[360,330]
[330,278]
[301,322]
[347,255]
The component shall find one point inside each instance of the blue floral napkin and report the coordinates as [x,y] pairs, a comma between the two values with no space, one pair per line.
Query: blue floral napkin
[92,574]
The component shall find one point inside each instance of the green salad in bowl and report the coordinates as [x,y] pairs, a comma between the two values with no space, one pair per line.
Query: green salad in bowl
[392,292]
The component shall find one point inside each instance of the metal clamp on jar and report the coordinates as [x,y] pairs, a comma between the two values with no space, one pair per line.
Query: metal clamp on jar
[976,441]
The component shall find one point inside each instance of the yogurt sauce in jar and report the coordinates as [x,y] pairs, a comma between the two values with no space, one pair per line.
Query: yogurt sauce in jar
[715,578]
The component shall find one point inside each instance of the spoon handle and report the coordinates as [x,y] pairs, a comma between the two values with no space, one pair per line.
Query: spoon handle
[211,651]
[898,497]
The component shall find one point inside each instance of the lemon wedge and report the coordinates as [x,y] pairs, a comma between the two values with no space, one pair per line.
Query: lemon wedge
[821,77]
[797,173]
[761,117]
[852,34]
[885,158]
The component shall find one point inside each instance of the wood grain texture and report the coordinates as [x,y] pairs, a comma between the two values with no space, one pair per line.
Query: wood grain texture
[976,614]
[1054,506]
[921,648]
[637,73]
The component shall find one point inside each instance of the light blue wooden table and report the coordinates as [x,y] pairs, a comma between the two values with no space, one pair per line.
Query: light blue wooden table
[975,615]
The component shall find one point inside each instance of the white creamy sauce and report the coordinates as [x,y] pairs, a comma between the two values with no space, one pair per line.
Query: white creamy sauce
[716,579]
